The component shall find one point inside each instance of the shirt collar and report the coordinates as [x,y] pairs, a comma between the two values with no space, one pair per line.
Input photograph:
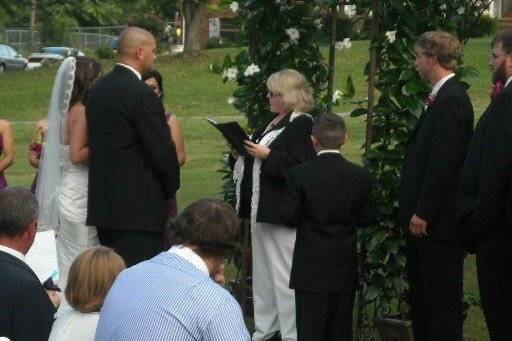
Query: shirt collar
[508,81]
[190,256]
[440,83]
[137,73]
[13,252]
[330,151]
[295,114]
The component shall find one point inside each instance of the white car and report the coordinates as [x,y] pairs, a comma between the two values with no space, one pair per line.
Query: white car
[52,55]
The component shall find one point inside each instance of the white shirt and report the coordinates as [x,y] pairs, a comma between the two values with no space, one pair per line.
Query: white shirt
[190,256]
[439,84]
[72,325]
[508,81]
[13,252]
[137,73]
[330,151]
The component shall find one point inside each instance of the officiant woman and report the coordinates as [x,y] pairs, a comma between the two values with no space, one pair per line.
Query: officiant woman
[260,179]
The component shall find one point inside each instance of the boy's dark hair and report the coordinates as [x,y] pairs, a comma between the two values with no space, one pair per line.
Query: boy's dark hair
[329,130]
[211,225]
[505,38]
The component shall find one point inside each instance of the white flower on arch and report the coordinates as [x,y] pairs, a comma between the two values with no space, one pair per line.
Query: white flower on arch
[461,10]
[230,73]
[234,6]
[251,70]
[344,44]
[231,100]
[391,35]
[350,10]
[294,34]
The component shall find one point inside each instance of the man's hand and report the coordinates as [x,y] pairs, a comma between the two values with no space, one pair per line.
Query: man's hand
[418,226]
[54,297]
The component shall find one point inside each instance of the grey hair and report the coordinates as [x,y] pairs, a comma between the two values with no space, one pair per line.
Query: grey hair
[18,208]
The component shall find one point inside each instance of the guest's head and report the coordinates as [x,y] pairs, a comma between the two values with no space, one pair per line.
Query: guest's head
[87,72]
[18,218]
[210,227]
[153,78]
[137,48]
[288,90]
[90,277]
[501,56]
[329,132]
[437,53]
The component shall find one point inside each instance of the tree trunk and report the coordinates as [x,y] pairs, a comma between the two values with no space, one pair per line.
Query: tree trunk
[192,14]
[33,25]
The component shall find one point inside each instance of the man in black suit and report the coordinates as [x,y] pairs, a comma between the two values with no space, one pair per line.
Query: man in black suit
[133,168]
[26,312]
[434,157]
[486,200]
[326,199]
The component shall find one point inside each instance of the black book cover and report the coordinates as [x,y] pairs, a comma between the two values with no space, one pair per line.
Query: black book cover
[233,133]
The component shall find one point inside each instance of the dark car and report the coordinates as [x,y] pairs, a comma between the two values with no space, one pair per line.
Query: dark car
[10,59]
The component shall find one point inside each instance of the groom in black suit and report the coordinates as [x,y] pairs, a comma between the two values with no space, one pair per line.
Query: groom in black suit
[26,312]
[486,203]
[434,157]
[133,168]
[326,199]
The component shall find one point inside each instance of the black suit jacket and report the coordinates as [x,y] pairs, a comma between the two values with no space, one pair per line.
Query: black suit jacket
[326,199]
[485,183]
[133,168]
[434,157]
[290,148]
[26,312]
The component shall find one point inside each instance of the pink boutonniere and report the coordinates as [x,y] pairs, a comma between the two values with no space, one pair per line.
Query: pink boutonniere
[429,101]
[497,89]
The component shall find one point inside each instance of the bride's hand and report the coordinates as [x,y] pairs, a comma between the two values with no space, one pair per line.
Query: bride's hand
[256,150]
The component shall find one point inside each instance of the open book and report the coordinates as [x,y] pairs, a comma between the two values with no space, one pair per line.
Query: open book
[233,133]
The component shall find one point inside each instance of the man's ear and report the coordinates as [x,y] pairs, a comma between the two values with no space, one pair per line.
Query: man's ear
[344,139]
[315,142]
[29,235]
[139,53]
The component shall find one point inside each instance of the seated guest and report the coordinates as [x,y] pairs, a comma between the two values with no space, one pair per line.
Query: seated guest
[173,296]
[26,311]
[326,199]
[90,277]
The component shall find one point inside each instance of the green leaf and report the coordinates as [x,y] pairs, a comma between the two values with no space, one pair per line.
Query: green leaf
[227,62]
[349,87]
[371,293]
[358,112]
[377,239]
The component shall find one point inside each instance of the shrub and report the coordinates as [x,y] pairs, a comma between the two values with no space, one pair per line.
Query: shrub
[486,26]
[105,52]
[56,29]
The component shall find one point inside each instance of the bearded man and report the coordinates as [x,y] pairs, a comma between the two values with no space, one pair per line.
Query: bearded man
[434,157]
[486,196]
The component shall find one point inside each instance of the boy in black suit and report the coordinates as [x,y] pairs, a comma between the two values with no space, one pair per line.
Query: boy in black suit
[326,199]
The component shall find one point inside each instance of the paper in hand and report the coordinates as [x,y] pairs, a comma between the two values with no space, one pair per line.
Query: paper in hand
[233,133]
[42,256]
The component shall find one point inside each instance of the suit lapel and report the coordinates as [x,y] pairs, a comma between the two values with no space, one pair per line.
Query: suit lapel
[5,257]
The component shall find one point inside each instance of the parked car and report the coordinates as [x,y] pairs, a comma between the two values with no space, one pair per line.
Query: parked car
[10,59]
[52,55]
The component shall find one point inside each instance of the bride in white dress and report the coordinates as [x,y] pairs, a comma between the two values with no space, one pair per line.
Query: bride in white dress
[63,178]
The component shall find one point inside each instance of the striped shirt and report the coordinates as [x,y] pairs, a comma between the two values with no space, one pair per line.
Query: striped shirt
[168,298]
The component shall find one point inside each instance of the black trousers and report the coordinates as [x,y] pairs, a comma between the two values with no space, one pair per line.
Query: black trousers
[494,270]
[324,316]
[435,272]
[133,246]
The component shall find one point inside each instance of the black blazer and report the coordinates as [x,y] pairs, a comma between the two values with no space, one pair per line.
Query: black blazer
[485,182]
[326,199]
[26,312]
[133,168]
[290,148]
[434,157]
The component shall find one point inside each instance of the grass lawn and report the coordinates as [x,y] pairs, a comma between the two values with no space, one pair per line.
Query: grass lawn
[193,92]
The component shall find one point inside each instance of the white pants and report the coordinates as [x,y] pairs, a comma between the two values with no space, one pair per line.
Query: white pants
[274,302]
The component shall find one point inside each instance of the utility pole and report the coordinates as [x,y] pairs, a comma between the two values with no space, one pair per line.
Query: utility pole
[33,25]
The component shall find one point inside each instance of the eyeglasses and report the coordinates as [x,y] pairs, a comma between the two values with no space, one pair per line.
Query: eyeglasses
[273,94]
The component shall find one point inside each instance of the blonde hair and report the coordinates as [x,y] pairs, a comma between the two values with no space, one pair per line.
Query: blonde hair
[294,88]
[90,277]
[444,46]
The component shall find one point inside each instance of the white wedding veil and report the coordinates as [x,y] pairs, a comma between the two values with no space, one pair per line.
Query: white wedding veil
[54,156]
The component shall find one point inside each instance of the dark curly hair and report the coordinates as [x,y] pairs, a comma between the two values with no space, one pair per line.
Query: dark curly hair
[87,72]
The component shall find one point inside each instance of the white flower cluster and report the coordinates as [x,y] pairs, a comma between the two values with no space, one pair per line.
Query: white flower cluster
[251,70]
[391,35]
[230,73]
[231,100]
[234,6]
[350,10]
[336,96]
[344,44]
[294,34]
[461,10]
[318,23]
